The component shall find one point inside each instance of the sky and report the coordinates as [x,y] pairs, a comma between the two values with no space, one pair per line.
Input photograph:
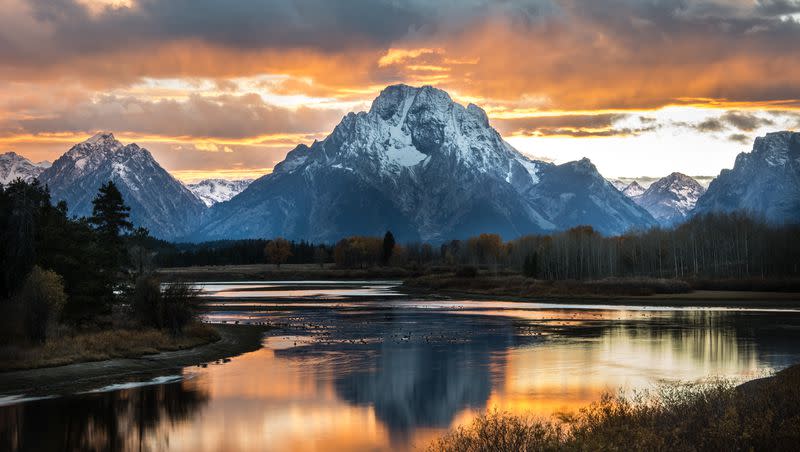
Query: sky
[227,88]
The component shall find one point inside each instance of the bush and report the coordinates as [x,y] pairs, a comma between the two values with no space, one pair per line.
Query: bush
[178,302]
[42,299]
[170,308]
[759,415]
[146,301]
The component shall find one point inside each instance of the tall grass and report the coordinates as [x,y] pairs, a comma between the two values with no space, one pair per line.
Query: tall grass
[758,416]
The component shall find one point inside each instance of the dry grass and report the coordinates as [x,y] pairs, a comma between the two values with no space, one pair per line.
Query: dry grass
[520,286]
[102,345]
[267,272]
[762,415]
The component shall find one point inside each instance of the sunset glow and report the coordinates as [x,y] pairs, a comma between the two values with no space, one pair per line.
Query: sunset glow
[641,88]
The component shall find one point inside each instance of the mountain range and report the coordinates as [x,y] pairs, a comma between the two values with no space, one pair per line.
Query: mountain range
[418,164]
[426,168]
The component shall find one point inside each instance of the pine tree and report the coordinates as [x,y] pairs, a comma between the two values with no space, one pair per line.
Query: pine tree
[109,219]
[109,213]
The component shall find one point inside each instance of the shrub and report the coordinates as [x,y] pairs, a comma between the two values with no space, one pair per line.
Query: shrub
[170,308]
[146,301]
[42,298]
[759,415]
[178,301]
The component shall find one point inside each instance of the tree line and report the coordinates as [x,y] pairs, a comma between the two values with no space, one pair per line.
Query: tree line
[719,245]
[57,270]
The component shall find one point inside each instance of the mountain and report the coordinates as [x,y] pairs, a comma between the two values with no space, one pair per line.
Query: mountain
[633,190]
[669,199]
[764,182]
[157,200]
[426,168]
[619,184]
[13,166]
[212,191]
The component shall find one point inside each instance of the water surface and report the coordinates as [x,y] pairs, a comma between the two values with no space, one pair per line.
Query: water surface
[356,366]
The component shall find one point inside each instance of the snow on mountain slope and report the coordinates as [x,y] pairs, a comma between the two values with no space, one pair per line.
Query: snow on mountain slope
[157,200]
[13,166]
[428,169]
[671,198]
[764,182]
[633,190]
[212,191]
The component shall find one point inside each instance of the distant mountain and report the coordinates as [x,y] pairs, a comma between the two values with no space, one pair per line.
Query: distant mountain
[669,199]
[13,166]
[426,168]
[764,182]
[619,184]
[633,190]
[157,200]
[212,191]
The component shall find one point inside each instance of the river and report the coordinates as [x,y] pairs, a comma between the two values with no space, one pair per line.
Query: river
[360,366]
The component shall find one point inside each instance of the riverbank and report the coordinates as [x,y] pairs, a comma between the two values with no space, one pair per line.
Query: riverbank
[629,291]
[762,414]
[286,272]
[231,340]
[103,345]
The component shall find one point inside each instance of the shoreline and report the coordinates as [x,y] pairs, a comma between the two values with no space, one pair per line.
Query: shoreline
[234,340]
[697,298]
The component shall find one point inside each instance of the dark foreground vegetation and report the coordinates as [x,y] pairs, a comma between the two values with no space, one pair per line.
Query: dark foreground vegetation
[762,415]
[78,289]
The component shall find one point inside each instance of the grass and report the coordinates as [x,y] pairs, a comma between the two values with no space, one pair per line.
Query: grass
[103,345]
[518,285]
[759,415]
[265,272]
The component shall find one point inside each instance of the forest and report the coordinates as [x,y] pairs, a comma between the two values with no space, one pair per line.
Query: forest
[714,246]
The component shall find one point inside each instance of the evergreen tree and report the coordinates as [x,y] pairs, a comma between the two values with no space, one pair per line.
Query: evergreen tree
[109,213]
[388,247]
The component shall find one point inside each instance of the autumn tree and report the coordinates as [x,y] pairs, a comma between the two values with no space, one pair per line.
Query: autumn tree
[278,251]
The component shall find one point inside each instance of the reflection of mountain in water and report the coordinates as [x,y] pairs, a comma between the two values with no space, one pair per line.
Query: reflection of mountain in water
[426,379]
[116,420]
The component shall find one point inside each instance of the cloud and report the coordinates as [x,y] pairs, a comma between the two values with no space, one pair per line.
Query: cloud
[739,138]
[581,125]
[221,117]
[711,125]
[746,122]
[612,54]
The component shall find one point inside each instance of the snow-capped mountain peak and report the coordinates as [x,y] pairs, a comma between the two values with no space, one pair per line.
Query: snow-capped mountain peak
[212,191]
[633,190]
[425,167]
[671,198]
[157,200]
[13,166]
